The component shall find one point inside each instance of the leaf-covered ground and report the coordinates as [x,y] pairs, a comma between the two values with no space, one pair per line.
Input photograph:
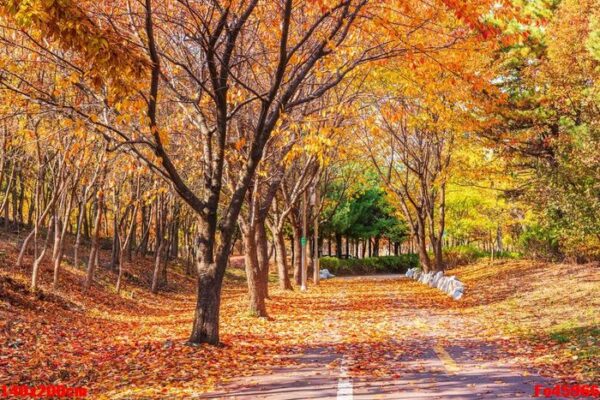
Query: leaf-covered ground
[544,317]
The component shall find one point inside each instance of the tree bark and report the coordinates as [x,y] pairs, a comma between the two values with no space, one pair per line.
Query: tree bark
[281,258]
[297,233]
[347,246]
[338,245]
[59,239]
[304,272]
[92,261]
[316,261]
[422,245]
[38,258]
[205,328]
[158,264]
[262,243]
[256,295]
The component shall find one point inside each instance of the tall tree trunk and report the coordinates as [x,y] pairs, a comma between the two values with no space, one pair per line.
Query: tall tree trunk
[208,302]
[317,247]
[158,264]
[281,258]
[21,198]
[146,217]
[59,239]
[347,246]
[338,245]
[262,243]
[438,255]
[86,222]
[304,272]
[38,258]
[80,218]
[422,246]
[132,242]
[255,292]
[174,248]
[159,223]
[499,244]
[165,262]
[297,233]
[115,250]
[93,260]
[124,245]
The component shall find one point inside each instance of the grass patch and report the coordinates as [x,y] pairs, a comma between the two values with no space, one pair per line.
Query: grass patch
[371,265]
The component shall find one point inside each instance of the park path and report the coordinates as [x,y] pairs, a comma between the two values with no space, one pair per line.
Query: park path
[448,365]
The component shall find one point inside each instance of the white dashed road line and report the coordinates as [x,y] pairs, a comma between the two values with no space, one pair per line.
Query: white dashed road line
[345,391]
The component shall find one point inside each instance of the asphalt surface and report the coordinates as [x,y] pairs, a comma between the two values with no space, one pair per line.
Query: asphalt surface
[461,369]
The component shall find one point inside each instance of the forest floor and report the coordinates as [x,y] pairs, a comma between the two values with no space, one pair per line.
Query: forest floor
[520,323]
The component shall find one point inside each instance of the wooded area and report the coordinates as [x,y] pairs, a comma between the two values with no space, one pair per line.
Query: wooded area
[183,136]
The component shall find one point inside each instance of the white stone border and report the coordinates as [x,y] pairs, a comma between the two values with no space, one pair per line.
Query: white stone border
[447,284]
[325,274]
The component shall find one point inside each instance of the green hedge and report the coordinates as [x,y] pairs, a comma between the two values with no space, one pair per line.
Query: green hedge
[372,265]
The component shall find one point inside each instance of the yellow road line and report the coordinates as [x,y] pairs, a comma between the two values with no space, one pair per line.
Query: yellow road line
[448,362]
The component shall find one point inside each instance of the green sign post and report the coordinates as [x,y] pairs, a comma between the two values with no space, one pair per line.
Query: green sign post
[303,241]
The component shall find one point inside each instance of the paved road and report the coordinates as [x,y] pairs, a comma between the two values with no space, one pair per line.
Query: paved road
[456,368]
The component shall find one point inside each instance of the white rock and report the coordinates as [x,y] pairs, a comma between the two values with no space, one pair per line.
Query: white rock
[450,283]
[447,284]
[454,287]
[444,284]
[436,278]
[429,278]
[450,286]
[441,282]
[325,274]
[457,294]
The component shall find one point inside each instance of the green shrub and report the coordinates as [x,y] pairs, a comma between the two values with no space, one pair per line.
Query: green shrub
[372,265]
[461,255]
[540,242]
[467,254]
[507,254]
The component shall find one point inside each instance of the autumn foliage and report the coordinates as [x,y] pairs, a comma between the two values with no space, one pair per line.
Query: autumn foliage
[148,149]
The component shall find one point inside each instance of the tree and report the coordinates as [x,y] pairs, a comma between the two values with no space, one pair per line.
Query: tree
[548,128]
[200,85]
